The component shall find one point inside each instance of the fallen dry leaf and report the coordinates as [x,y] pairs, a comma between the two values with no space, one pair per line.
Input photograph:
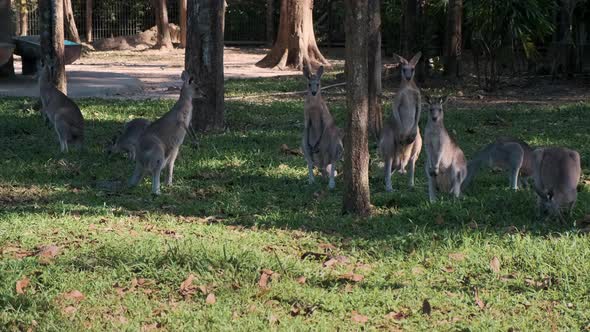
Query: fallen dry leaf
[448,269]
[16,252]
[396,315]
[264,278]
[210,299]
[301,280]
[457,256]
[286,150]
[330,262]
[74,295]
[186,287]
[69,310]
[426,308]
[150,327]
[47,253]
[22,284]
[352,277]
[358,318]
[478,301]
[439,220]
[495,264]
[327,246]
[418,270]
[542,284]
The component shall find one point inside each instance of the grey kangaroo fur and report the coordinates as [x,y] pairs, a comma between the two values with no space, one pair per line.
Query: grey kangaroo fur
[506,153]
[400,142]
[126,142]
[322,140]
[556,172]
[158,145]
[445,164]
[59,110]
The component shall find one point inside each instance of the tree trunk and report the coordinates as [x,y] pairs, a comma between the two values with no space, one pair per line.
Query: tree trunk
[6,34]
[23,20]
[295,44]
[374,51]
[164,40]
[182,23]
[204,61]
[453,38]
[52,39]
[356,198]
[270,22]
[70,22]
[89,8]
[410,40]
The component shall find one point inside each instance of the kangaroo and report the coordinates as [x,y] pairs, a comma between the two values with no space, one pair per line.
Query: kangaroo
[158,145]
[59,110]
[127,140]
[505,153]
[445,164]
[400,142]
[556,172]
[322,140]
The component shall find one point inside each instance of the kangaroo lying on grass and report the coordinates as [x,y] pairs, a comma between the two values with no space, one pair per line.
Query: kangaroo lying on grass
[509,154]
[400,142]
[556,172]
[159,144]
[59,110]
[126,142]
[322,140]
[445,164]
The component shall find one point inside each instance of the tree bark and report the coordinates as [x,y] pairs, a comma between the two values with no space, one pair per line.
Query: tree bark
[270,22]
[164,40]
[295,44]
[356,198]
[6,34]
[182,6]
[374,51]
[23,20]
[89,8]
[52,39]
[453,38]
[204,61]
[70,22]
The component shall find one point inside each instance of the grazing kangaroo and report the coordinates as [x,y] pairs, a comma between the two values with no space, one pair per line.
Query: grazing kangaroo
[159,144]
[556,172]
[59,110]
[322,140]
[505,153]
[128,139]
[445,164]
[400,142]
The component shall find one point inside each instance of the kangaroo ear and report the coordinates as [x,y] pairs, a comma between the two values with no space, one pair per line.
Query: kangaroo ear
[444,99]
[400,59]
[306,72]
[320,71]
[428,98]
[184,76]
[416,58]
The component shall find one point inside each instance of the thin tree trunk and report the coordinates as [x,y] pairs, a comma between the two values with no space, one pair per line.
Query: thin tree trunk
[23,20]
[270,22]
[356,198]
[164,40]
[89,8]
[374,51]
[183,23]
[295,45]
[6,34]
[70,22]
[204,61]
[52,39]
[453,38]
[410,28]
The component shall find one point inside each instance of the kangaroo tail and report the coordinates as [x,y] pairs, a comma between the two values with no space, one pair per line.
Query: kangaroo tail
[475,164]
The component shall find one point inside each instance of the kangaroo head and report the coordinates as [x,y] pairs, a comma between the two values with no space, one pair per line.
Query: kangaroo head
[45,70]
[555,202]
[408,68]
[435,107]
[190,89]
[313,80]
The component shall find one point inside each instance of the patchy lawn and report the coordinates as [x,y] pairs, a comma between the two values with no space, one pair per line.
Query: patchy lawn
[242,242]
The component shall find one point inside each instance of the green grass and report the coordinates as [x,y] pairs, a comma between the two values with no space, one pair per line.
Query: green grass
[263,215]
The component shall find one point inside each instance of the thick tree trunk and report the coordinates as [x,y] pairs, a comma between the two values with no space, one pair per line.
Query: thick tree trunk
[453,38]
[70,22]
[356,198]
[89,8]
[375,88]
[295,44]
[6,34]
[164,40]
[410,40]
[182,9]
[204,61]
[270,22]
[23,18]
[52,39]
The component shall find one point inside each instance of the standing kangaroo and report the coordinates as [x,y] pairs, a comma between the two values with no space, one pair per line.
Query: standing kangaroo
[445,163]
[59,110]
[126,142]
[505,153]
[159,144]
[556,172]
[400,142]
[322,140]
